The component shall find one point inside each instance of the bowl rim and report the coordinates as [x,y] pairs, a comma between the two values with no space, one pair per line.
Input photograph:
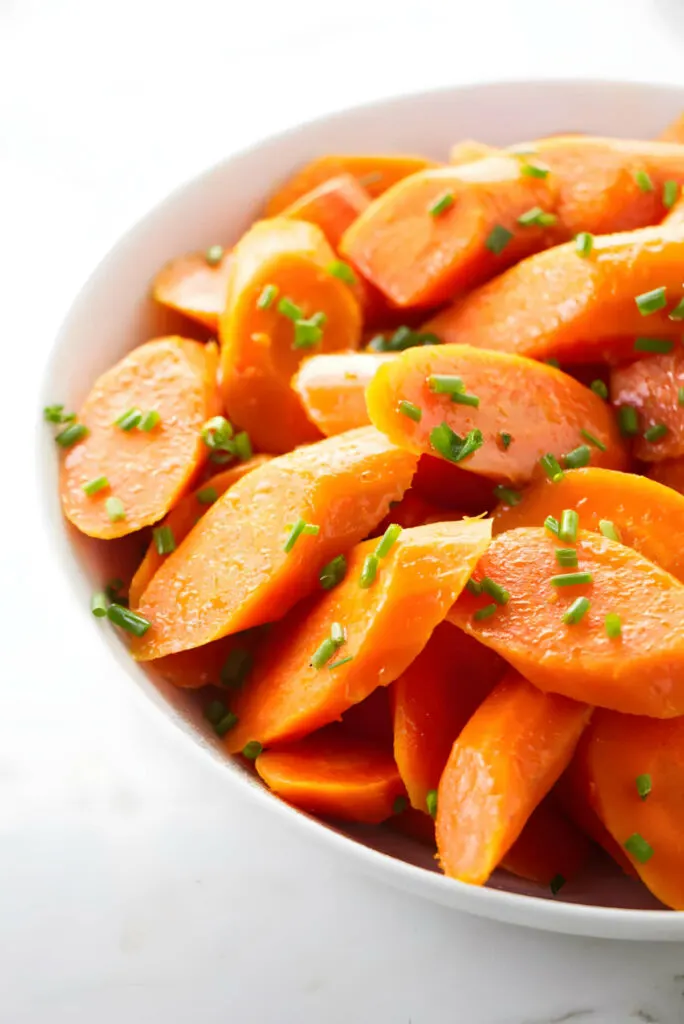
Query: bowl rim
[509,907]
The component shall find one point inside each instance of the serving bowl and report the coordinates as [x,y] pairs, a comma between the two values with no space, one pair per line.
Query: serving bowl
[218,206]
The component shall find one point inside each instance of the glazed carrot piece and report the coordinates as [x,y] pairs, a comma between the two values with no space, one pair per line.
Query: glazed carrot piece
[646,515]
[432,701]
[502,765]
[550,849]
[468,150]
[233,571]
[655,388]
[333,775]
[204,666]
[674,131]
[636,768]
[669,472]
[332,388]
[448,486]
[290,693]
[194,286]
[421,258]
[374,173]
[145,471]
[282,303]
[332,206]
[576,309]
[639,672]
[184,516]
[542,409]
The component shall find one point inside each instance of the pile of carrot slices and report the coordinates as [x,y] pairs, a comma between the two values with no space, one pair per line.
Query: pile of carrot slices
[412,522]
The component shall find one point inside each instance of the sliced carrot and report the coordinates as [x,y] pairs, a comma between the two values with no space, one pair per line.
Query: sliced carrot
[624,752]
[468,150]
[195,287]
[549,848]
[185,515]
[204,666]
[654,386]
[447,485]
[233,572]
[371,719]
[260,346]
[641,672]
[333,206]
[542,408]
[670,473]
[333,775]
[374,173]
[146,471]
[419,258]
[674,131]
[500,768]
[332,388]
[432,701]
[562,305]
[646,514]
[675,217]
[387,624]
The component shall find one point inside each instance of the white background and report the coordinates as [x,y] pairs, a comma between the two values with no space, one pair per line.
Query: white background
[133,887]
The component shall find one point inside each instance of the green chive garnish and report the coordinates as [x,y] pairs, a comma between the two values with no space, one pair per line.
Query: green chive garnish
[414,412]
[341,661]
[577,610]
[286,307]
[659,345]
[680,397]
[243,446]
[678,312]
[651,302]
[115,509]
[670,193]
[643,180]
[639,848]
[613,624]
[578,457]
[308,333]
[537,217]
[324,653]
[507,495]
[128,620]
[498,239]
[333,573]
[584,243]
[441,205]
[400,804]
[552,362]
[556,884]
[402,339]
[214,255]
[252,750]
[444,384]
[533,170]
[486,612]
[94,486]
[655,433]
[219,716]
[505,440]
[56,414]
[643,786]
[473,587]
[300,527]
[164,540]
[229,720]
[216,433]
[453,447]
[567,557]
[460,398]
[71,435]
[389,538]
[571,579]
[236,668]
[628,420]
[129,419]
[98,604]
[368,571]
[431,803]
[207,496]
[342,270]
[600,388]
[495,590]
[551,524]
[569,522]
[597,443]
[267,297]
[149,421]
[551,467]
[609,530]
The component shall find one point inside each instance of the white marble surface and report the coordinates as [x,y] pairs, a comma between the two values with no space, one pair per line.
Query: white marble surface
[133,888]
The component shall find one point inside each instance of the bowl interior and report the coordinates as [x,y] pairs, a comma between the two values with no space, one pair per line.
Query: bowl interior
[113,313]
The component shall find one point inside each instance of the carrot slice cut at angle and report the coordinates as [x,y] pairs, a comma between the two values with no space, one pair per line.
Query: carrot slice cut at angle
[550,849]
[333,206]
[194,286]
[332,388]
[233,571]
[654,387]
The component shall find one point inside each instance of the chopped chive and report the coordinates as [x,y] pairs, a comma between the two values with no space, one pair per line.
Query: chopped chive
[252,750]
[460,398]
[507,495]
[639,848]
[655,433]
[236,668]
[553,362]
[328,647]
[128,620]
[337,633]
[651,302]
[495,590]
[217,433]
[670,193]
[301,526]
[551,467]
[551,524]
[94,486]
[628,420]
[267,297]
[333,572]
[537,217]
[98,604]
[71,435]
[441,205]
[584,243]
[308,333]
[312,529]
[643,180]
[164,540]
[400,804]
[597,442]
[571,579]
[453,447]
[569,521]
[220,458]
[214,711]
[444,384]
[643,785]
[576,611]
[534,170]
[578,457]
[115,509]
[214,255]
[498,239]
[486,612]
[341,661]
[599,388]
[659,345]
[342,270]
[414,412]
[286,307]
[149,421]
[207,496]
[680,396]
[678,312]
[389,538]
[431,803]
[609,530]
[567,557]
[243,446]
[229,720]
[505,439]
[56,414]
[129,419]
[473,587]
[556,884]
[402,339]
[613,624]
[368,571]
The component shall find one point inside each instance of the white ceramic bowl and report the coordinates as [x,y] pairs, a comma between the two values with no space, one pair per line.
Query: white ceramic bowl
[113,313]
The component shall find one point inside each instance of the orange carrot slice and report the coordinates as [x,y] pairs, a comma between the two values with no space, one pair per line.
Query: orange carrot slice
[550,850]
[333,206]
[542,409]
[290,693]
[233,571]
[653,387]
[441,231]
[646,515]
[432,701]
[332,388]
[501,766]
[146,471]
[333,775]
[224,661]
[185,515]
[559,304]
[670,473]
[194,286]
[374,173]
[279,281]
[639,672]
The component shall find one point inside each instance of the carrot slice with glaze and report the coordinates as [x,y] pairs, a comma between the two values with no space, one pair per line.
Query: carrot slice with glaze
[332,388]
[500,768]
[386,626]
[287,261]
[647,515]
[640,672]
[549,849]
[333,206]
[543,409]
[559,304]
[195,287]
[654,386]
[204,666]
[233,571]
[147,471]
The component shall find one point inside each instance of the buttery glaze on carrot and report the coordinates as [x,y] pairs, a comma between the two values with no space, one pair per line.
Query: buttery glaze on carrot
[332,388]
[655,388]
[195,286]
